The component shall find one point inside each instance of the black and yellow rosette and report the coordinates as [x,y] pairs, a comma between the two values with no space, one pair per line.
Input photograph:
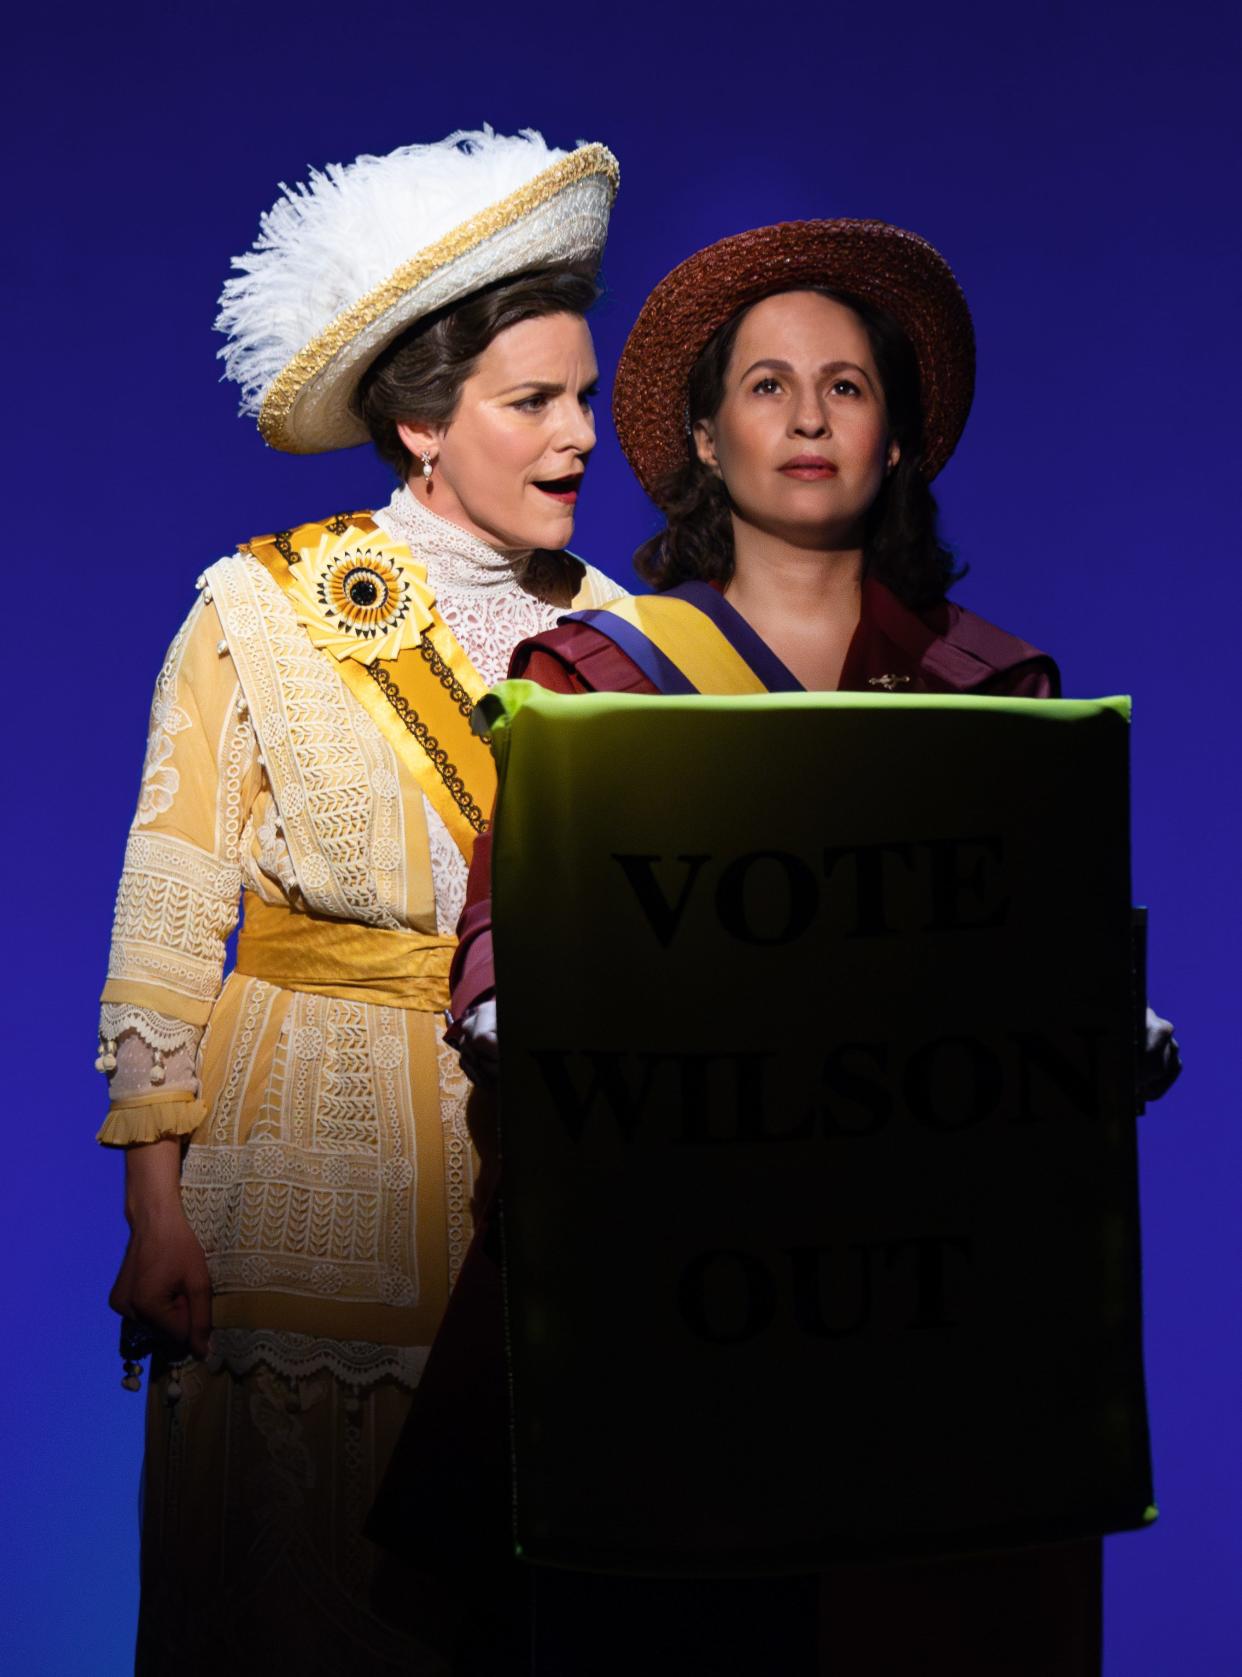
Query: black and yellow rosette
[361,595]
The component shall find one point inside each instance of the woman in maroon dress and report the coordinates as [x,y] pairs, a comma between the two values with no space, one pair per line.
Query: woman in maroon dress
[786,397]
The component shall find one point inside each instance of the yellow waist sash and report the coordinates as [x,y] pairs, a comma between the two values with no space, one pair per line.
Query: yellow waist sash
[373,964]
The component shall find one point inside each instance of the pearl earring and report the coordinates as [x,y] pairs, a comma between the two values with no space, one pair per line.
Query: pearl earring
[427,464]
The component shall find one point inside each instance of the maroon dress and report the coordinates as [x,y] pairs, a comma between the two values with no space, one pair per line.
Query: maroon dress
[1029,1613]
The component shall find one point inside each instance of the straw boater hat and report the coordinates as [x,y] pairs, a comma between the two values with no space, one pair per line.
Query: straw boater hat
[869,259]
[345,262]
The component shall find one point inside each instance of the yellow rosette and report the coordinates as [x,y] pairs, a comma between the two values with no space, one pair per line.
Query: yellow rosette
[360,595]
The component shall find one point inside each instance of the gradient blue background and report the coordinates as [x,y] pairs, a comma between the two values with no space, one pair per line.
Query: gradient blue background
[1077,164]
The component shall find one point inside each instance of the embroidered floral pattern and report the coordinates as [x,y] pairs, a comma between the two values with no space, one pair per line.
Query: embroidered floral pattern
[160,780]
[157,1030]
[355,1362]
[175,907]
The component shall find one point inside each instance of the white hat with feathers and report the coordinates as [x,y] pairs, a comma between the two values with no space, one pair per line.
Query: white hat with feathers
[346,261]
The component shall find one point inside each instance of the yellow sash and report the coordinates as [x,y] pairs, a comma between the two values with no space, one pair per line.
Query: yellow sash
[375,964]
[421,700]
[690,640]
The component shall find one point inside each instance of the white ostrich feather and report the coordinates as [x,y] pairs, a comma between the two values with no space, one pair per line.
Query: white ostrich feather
[330,240]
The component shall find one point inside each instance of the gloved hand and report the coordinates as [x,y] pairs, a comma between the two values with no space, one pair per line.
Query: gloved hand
[477,1042]
[1162,1060]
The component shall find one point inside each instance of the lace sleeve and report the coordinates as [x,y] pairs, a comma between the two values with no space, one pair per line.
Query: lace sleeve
[179,890]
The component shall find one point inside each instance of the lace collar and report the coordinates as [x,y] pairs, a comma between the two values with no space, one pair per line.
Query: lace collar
[456,561]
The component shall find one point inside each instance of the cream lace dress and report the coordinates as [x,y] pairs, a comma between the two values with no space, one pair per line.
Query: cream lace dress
[328,1170]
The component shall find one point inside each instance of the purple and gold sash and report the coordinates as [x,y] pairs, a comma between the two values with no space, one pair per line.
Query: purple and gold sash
[690,640]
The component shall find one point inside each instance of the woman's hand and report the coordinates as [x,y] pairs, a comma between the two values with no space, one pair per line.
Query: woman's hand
[478,1044]
[163,1280]
[1162,1060]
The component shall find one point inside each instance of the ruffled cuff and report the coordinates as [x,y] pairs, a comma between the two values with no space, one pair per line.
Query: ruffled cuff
[152,1118]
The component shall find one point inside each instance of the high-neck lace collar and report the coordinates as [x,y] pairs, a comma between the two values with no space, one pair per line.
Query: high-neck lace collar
[455,559]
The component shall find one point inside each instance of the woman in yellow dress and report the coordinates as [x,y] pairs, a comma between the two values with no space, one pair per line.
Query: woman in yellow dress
[298,1171]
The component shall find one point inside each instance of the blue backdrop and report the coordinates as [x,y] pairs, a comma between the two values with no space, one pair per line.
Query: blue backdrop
[1076,162]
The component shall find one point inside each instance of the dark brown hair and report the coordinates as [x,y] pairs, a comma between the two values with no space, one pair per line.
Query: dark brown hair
[420,375]
[901,542]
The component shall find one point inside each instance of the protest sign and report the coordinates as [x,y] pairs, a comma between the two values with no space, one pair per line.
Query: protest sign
[817,1119]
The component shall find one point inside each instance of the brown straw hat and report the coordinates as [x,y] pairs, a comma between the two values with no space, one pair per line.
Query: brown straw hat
[896,270]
